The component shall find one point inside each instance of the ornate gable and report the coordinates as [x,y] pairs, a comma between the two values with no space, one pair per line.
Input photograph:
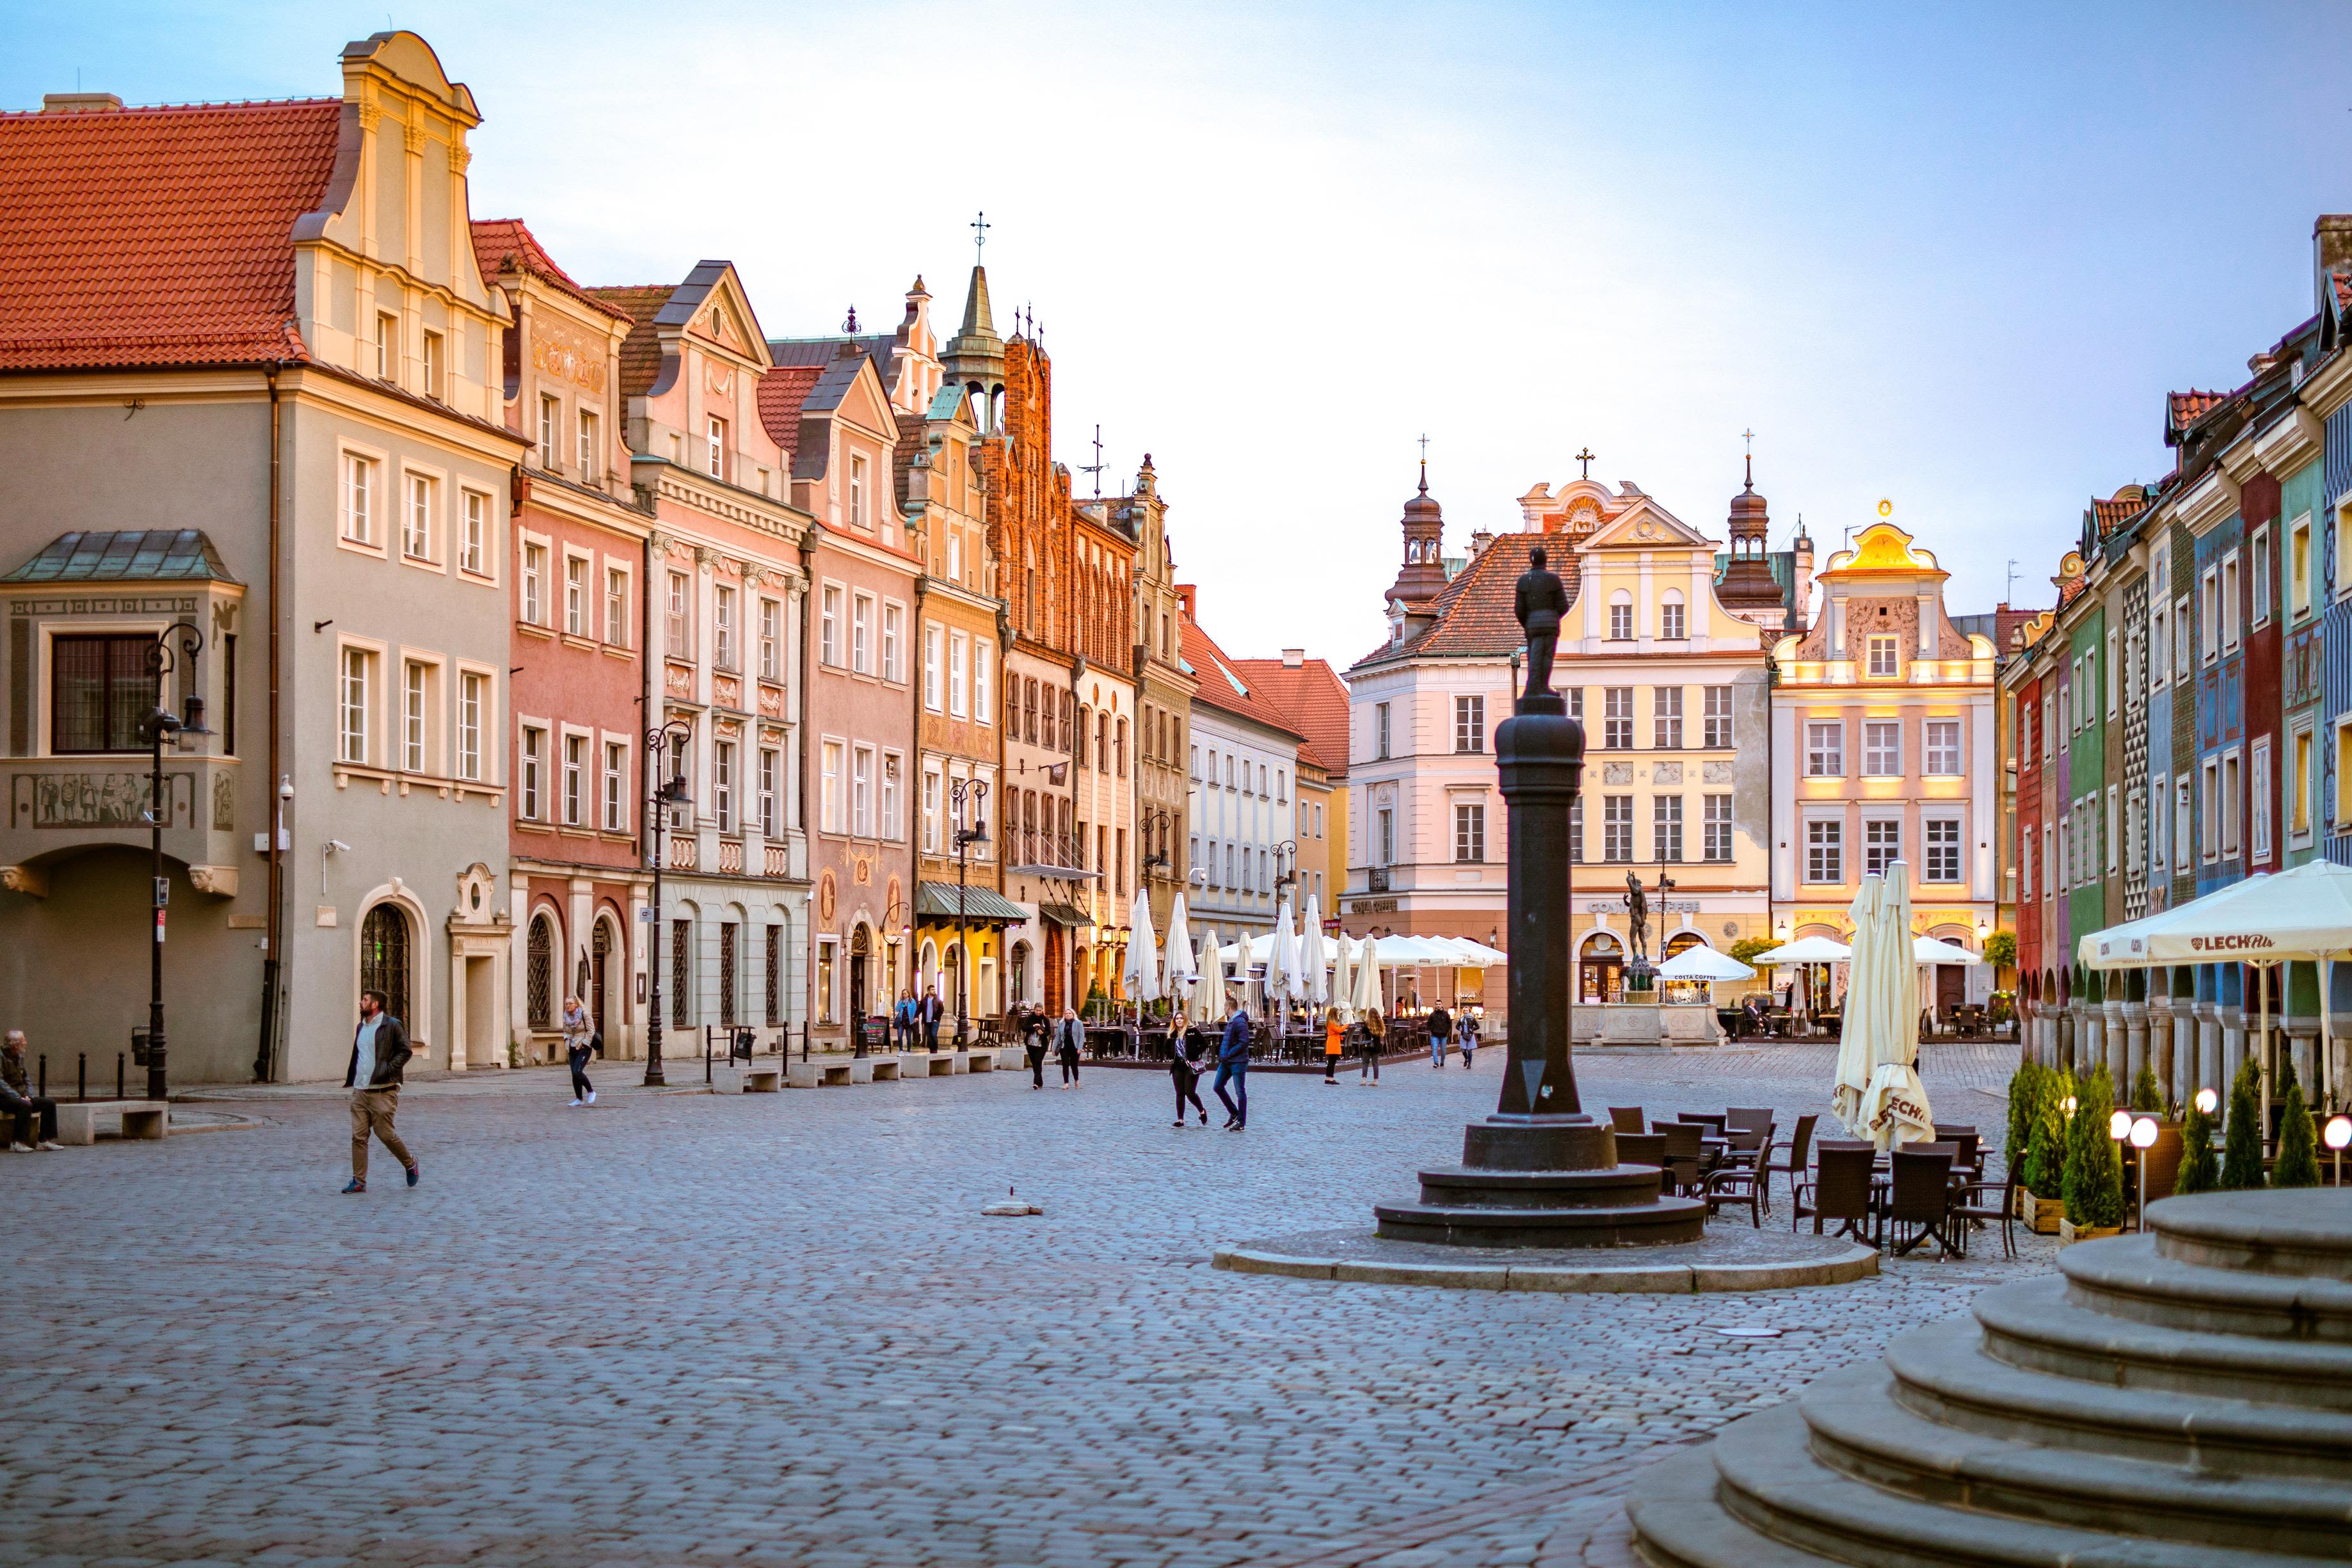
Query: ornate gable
[1645,525]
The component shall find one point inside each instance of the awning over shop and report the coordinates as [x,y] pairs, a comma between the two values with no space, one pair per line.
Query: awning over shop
[1065,914]
[981,906]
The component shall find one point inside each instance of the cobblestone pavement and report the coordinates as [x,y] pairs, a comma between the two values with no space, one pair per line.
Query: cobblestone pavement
[773,1330]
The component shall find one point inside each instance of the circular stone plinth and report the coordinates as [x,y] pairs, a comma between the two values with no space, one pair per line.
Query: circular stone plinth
[1725,1259]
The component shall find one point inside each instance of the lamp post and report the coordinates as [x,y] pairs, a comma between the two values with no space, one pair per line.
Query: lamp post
[959,791]
[174,644]
[2338,1133]
[1285,881]
[2143,1134]
[670,793]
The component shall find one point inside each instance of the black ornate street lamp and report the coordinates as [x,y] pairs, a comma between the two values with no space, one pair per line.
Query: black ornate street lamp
[175,647]
[670,793]
[959,791]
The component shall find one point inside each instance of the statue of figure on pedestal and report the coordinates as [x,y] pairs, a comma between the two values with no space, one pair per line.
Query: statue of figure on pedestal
[1541,602]
[1637,919]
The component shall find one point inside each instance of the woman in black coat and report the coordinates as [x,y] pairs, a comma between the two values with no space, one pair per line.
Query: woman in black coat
[1183,1069]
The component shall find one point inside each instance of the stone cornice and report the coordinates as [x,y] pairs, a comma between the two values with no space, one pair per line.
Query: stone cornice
[2208,501]
[2289,444]
[727,504]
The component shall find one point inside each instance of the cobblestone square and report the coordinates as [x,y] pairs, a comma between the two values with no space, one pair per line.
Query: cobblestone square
[777,1330]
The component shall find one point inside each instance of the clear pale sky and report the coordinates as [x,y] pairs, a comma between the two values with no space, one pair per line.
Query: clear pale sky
[1953,258]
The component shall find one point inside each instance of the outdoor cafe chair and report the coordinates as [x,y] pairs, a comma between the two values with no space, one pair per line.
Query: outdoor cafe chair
[1840,1190]
[1643,1149]
[1741,1118]
[1625,1117]
[1711,1120]
[1969,1208]
[1747,1148]
[1799,1149]
[1965,1155]
[1921,1197]
[1683,1152]
[1736,1185]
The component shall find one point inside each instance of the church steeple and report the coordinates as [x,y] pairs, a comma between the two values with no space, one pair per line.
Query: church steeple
[1422,576]
[975,355]
[1747,586]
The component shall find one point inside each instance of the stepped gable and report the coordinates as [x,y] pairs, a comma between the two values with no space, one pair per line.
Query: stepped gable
[2180,1398]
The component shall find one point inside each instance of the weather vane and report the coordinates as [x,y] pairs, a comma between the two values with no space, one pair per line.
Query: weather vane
[1095,467]
[1584,461]
[979,226]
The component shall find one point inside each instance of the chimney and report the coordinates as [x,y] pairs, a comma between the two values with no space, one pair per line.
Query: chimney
[1294,658]
[2331,252]
[1479,540]
[79,104]
[1189,594]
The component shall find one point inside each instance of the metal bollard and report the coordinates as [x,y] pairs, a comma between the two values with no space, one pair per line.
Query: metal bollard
[117,1076]
[45,1073]
[81,1076]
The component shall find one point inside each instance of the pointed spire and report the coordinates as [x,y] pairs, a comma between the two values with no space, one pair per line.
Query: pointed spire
[977,320]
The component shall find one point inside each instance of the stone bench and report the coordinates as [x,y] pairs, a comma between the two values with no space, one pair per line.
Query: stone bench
[885,1069]
[763,1081]
[977,1061]
[921,1065]
[818,1075]
[141,1119]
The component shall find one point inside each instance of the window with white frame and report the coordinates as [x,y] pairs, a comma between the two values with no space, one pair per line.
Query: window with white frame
[1882,747]
[432,364]
[722,626]
[2298,565]
[955,555]
[1943,834]
[1379,733]
[387,346]
[2159,657]
[575,782]
[2180,640]
[2114,674]
[2231,610]
[959,652]
[931,812]
[1943,736]
[575,595]
[722,785]
[2049,861]
[2210,622]
[1716,811]
[1387,840]
[551,421]
[616,606]
[1617,718]
[679,618]
[473,702]
[1671,628]
[2158,853]
[1576,831]
[1666,718]
[2025,863]
[2262,564]
[616,796]
[1825,749]
[358,684]
[534,780]
[1824,850]
[934,675]
[1667,827]
[2210,811]
[1882,665]
[416,521]
[1717,699]
[772,639]
[715,448]
[771,777]
[861,792]
[1469,833]
[2303,782]
[829,791]
[2343,543]
[857,492]
[358,499]
[589,466]
[415,692]
[893,767]
[2232,783]
[1620,617]
[2184,824]
[1617,827]
[861,633]
[983,680]
[894,619]
[534,584]
[2258,808]
[1882,844]
[828,640]
[1469,724]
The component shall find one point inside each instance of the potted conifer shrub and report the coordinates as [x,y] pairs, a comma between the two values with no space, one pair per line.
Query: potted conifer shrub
[2094,1175]
[2298,1155]
[2044,1178]
[2241,1139]
[2201,1168]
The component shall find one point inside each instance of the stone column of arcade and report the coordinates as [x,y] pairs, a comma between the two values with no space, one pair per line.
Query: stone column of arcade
[1540,1173]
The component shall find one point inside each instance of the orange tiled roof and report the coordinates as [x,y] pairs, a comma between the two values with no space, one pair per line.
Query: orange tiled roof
[1220,685]
[2128,503]
[498,240]
[1477,615]
[782,392]
[641,351]
[1313,700]
[2185,408]
[157,237]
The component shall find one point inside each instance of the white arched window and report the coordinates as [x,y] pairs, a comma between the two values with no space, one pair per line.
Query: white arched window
[1671,626]
[1620,617]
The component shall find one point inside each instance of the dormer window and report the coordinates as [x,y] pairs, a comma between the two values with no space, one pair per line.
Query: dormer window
[387,346]
[857,492]
[717,436]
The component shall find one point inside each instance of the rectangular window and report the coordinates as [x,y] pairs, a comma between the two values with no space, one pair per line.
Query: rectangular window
[681,971]
[1718,827]
[100,689]
[1387,842]
[931,812]
[1667,828]
[1718,716]
[473,533]
[387,346]
[2181,638]
[2232,613]
[1469,724]
[1469,834]
[772,639]
[1576,831]
[2232,782]
[358,499]
[432,366]
[2261,560]
[1617,827]
[2158,660]
[616,606]
[1825,750]
[2343,776]
[857,492]
[934,676]
[2108,830]
[1882,747]
[2302,783]
[589,466]
[829,801]
[2258,810]
[679,633]
[1379,731]
[828,641]
[472,689]
[2298,563]
[825,951]
[534,584]
[861,633]
[1621,622]
[983,691]
[1617,718]
[575,595]
[358,676]
[551,421]
[1670,621]
[575,783]
[1944,747]
[770,776]
[715,448]
[775,976]
[2210,838]
[534,760]
[413,716]
[861,792]
[722,785]
[1826,851]
[1943,848]
[2156,823]
[892,829]
[1666,718]
[1882,658]
[616,766]
[417,522]
[959,652]
[722,626]
[1882,844]
[893,628]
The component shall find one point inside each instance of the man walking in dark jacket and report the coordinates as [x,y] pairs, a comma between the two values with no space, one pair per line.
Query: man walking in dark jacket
[927,1013]
[379,1054]
[1233,1067]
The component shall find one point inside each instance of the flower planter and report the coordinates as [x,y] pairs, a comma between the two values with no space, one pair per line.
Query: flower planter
[2069,1233]
[2042,1215]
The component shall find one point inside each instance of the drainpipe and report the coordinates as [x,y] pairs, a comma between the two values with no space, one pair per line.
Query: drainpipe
[266,1048]
[649,713]
[808,835]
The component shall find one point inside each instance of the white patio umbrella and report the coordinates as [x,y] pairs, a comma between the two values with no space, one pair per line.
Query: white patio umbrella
[1805,949]
[1181,970]
[1476,954]
[1142,975]
[1343,976]
[1284,981]
[1702,962]
[1935,950]
[1368,976]
[1314,956]
[1209,994]
[1881,1038]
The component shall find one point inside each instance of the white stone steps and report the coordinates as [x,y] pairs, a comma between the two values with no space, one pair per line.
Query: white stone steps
[2033,1324]
[2125,1278]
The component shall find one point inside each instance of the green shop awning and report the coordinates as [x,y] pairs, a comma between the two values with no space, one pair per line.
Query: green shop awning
[1065,914]
[981,906]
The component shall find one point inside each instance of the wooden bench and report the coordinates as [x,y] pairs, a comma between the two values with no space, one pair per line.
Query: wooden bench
[141,1119]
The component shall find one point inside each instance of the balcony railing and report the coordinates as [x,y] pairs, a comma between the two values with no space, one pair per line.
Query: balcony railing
[685,855]
[1376,879]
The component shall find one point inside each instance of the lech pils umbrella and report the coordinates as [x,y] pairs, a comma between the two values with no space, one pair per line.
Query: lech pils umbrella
[1881,1034]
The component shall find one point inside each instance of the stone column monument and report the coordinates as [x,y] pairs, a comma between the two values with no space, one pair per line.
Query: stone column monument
[1540,1171]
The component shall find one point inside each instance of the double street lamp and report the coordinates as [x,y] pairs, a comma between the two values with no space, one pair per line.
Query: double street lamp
[960,791]
[174,648]
[676,734]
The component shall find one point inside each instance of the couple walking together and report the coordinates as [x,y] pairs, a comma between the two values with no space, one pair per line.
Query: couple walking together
[1232,1068]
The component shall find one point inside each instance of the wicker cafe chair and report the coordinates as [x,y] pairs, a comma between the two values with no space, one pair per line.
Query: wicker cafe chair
[1840,1190]
[1625,1117]
[1969,1208]
[1799,1149]
[1643,1149]
[1741,1118]
[1747,1148]
[1922,1197]
[1683,1152]
[1736,1184]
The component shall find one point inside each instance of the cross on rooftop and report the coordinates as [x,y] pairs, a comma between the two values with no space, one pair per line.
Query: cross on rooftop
[980,227]
[1748,436]
[1584,459]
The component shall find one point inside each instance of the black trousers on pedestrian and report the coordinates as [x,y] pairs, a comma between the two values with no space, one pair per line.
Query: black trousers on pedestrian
[25,1109]
[1239,1078]
[1188,1089]
[1037,1065]
[1069,1064]
[581,1088]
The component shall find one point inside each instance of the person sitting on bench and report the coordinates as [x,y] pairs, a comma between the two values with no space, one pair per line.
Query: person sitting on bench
[18,1101]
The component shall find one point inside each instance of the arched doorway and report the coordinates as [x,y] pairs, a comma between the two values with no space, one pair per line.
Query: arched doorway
[600,979]
[539,972]
[1019,972]
[1601,969]
[386,963]
[861,963]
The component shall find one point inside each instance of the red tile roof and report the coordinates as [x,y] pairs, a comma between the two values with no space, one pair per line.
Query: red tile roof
[2185,408]
[1313,698]
[1219,684]
[1477,615]
[641,351]
[498,240]
[782,392]
[2128,503]
[157,237]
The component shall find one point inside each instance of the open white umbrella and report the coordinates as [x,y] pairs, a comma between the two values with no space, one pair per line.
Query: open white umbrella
[1181,970]
[1343,976]
[1476,954]
[1881,1037]
[1314,956]
[1142,975]
[1702,962]
[1935,950]
[1805,949]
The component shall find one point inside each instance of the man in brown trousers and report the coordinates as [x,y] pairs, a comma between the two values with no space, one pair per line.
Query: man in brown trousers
[379,1053]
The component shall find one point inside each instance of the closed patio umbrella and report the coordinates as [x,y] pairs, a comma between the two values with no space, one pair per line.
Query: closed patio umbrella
[1141,977]
[1343,977]
[1209,994]
[1181,970]
[1881,1041]
[1314,956]
[1368,976]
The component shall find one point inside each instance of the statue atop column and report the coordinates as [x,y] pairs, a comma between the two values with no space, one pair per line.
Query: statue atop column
[1541,602]
[1637,919]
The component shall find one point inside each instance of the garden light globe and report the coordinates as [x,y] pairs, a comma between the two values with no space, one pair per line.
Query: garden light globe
[2119,1125]
[2143,1132]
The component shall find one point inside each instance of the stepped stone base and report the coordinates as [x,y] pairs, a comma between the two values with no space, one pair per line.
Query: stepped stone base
[1541,1181]
[2179,1399]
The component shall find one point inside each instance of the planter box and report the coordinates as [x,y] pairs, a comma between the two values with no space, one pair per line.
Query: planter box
[2069,1233]
[2042,1215]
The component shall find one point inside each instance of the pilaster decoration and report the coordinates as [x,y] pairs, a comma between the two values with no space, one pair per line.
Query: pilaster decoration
[460,157]
[412,135]
[371,116]
[705,556]
[659,544]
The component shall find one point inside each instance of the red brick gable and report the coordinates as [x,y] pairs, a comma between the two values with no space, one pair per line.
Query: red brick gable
[157,237]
